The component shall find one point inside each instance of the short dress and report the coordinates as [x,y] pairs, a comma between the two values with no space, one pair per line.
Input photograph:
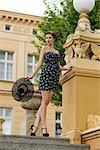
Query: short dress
[49,78]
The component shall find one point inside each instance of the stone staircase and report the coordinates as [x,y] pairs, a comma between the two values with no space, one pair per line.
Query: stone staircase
[14,142]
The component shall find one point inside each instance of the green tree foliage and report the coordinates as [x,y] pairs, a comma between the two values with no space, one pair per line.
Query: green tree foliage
[63,21]
[94,16]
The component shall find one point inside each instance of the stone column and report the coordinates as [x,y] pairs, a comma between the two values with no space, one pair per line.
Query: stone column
[80,95]
[81,86]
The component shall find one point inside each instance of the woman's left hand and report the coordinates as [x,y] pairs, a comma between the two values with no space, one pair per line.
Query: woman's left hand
[68,69]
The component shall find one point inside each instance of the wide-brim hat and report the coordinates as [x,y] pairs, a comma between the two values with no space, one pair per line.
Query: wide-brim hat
[22,90]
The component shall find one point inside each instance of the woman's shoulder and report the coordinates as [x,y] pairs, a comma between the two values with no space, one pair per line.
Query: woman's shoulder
[43,49]
[57,51]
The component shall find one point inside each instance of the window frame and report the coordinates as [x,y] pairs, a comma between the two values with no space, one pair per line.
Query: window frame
[6,61]
[31,64]
[58,121]
[9,26]
[7,118]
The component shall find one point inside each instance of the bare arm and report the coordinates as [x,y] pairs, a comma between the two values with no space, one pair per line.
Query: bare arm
[39,63]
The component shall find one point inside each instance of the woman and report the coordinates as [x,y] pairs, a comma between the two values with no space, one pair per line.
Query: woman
[48,80]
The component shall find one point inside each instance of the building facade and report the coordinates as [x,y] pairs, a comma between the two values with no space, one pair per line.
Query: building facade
[17,60]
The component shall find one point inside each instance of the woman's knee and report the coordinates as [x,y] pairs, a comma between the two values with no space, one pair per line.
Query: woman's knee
[46,97]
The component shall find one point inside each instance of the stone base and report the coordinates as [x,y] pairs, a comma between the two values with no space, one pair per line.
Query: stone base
[74,136]
[81,94]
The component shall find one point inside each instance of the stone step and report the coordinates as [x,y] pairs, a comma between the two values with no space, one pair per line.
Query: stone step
[15,142]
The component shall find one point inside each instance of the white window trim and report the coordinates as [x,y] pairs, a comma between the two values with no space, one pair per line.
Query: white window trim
[5,61]
[7,117]
[10,28]
[4,112]
[32,65]
[58,121]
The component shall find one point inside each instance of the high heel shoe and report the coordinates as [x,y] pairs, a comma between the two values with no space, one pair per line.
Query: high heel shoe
[46,134]
[33,133]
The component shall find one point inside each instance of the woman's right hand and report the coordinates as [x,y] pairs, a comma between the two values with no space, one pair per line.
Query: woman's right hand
[28,78]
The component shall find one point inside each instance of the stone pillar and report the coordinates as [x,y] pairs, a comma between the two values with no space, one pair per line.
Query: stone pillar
[81,85]
[1,123]
[80,94]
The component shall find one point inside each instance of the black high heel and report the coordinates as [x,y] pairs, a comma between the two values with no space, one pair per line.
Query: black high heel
[33,133]
[45,134]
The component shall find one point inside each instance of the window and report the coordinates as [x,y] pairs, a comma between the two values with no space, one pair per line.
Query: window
[34,31]
[32,61]
[6,113]
[6,65]
[31,65]
[58,120]
[8,27]
[36,79]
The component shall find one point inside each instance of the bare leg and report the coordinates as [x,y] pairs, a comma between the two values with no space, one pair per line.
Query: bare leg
[41,115]
[37,121]
[46,95]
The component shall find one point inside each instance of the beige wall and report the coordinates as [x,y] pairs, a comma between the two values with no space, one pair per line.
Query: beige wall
[18,41]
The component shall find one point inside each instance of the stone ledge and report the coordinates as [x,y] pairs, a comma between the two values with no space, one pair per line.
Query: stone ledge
[91,133]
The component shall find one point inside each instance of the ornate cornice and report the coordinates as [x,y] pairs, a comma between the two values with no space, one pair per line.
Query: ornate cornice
[83,35]
[84,43]
[88,36]
[19,18]
[5,93]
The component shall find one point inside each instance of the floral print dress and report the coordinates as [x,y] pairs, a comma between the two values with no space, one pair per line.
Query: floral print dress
[49,77]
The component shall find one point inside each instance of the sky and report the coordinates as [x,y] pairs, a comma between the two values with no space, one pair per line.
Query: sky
[33,7]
